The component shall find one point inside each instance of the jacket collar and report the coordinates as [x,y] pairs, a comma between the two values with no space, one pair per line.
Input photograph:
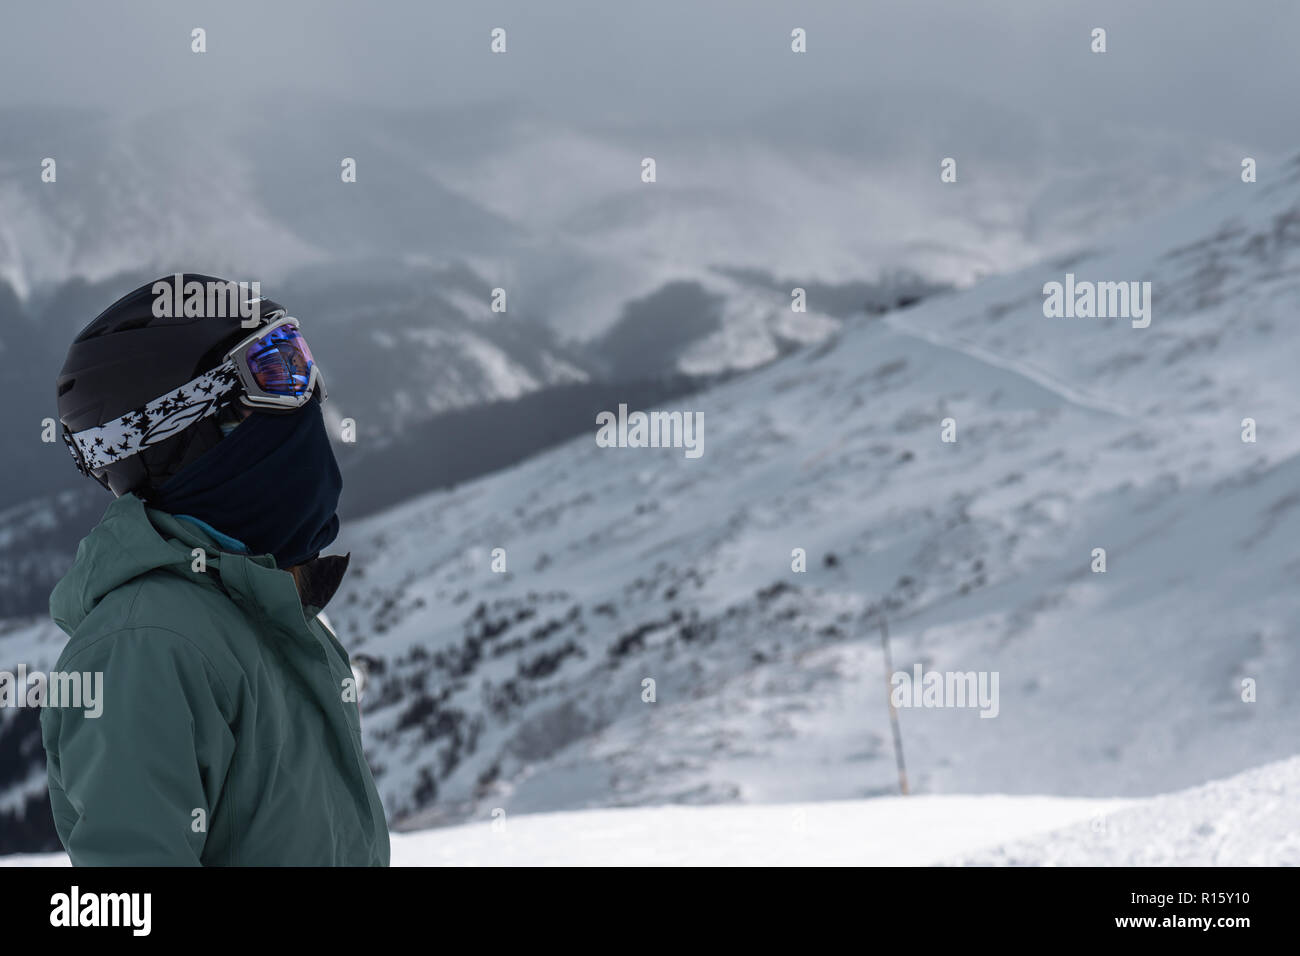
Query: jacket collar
[255,579]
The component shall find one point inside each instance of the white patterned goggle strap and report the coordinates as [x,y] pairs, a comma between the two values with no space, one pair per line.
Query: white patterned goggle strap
[155,422]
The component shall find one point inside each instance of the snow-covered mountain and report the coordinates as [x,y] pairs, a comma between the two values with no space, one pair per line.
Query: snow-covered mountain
[524,689]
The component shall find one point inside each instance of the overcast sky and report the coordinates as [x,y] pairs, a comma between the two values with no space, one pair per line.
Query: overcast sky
[1228,69]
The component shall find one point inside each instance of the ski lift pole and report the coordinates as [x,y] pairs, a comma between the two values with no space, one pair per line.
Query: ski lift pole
[893,711]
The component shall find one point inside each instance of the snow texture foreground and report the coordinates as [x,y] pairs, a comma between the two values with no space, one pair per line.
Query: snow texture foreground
[1252,819]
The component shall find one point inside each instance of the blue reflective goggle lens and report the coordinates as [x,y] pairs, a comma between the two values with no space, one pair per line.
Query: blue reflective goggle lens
[280,362]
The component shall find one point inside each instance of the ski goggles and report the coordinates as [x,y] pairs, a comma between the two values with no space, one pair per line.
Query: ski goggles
[271,370]
[275,367]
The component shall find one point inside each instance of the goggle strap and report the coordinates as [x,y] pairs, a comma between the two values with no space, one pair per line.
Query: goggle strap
[155,422]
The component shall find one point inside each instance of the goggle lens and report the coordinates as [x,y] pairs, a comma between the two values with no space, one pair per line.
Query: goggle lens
[281,363]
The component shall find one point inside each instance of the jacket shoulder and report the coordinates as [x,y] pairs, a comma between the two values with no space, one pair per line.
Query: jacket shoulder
[199,616]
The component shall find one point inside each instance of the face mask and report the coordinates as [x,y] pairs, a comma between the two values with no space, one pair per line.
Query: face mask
[272,483]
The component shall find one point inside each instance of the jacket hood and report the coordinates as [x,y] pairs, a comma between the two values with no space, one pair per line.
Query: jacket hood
[129,541]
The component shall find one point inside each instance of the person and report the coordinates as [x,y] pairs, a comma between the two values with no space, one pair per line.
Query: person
[229,728]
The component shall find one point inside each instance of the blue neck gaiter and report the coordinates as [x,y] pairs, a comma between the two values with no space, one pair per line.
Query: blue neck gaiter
[272,483]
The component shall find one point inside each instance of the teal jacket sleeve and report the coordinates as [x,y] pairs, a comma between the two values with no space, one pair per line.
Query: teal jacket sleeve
[133,775]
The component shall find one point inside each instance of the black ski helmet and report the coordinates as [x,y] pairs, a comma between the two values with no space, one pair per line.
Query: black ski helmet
[129,355]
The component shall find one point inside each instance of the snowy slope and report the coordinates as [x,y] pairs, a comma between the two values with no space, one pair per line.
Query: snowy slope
[891,831]
[523,690]
[24,799]
[1247,820]
[1252,819]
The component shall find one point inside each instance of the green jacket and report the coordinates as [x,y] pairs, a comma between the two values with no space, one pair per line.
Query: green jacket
[228,733]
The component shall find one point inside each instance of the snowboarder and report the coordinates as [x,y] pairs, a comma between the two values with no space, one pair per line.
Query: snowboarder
[230,731]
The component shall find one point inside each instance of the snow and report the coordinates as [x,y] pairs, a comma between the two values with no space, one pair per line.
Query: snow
[1252,819]
[890,831]
[523,689]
